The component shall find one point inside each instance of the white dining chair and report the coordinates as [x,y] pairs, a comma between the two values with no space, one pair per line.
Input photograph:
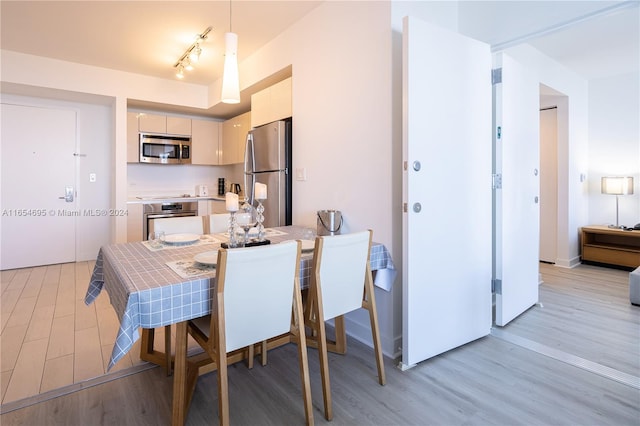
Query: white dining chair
[218,223]
[257,296]
[179,225]
[341,282]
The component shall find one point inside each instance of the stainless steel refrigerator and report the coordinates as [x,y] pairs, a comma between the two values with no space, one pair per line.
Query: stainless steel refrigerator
[267,160]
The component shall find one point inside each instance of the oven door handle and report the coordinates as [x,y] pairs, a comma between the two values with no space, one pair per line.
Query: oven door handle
[162,216]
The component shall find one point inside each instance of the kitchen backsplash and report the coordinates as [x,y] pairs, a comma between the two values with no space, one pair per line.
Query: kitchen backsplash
[156,179]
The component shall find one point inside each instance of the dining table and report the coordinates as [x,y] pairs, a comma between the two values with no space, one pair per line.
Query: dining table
[154,284]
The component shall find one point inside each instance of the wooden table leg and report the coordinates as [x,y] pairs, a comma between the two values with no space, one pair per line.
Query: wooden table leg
[180,376]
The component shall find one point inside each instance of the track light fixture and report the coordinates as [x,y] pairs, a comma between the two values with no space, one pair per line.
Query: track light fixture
[191,55]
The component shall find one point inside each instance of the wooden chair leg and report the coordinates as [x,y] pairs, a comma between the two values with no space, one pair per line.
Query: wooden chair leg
[263,353]
[250,356]
[223,379]
[370,305]
[299,333]
[324,370]
[341,335]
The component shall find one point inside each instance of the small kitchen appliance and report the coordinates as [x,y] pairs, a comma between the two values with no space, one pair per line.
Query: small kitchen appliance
[221,187]
[203,191]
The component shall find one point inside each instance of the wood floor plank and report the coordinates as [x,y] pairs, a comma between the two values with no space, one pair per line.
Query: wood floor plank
[62,337]
[12,339]
[88,361]
[58,372]
[40,324]
[27,373]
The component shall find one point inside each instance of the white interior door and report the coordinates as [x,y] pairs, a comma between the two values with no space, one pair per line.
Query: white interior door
[447,190]
[549,184]
[516,209]
[38,227]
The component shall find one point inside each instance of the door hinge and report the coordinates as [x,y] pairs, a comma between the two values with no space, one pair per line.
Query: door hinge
[496,181]
[404,207]
[496,76]
[404,166]
[496,286]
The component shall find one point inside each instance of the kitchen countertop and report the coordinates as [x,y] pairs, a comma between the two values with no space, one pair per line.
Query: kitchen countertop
[161,199]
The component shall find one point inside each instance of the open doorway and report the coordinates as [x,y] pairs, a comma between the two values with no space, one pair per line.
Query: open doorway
[553,125]
[548,184]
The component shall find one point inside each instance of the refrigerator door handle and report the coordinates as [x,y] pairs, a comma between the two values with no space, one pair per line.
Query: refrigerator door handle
[249,189]
[249,169]
[249,158]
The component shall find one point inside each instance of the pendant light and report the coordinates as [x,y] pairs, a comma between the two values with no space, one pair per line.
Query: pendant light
[230,78]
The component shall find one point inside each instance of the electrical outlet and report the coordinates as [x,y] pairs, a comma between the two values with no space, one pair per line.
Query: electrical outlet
[92,177]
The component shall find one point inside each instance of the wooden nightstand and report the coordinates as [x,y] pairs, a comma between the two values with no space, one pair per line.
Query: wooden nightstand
[602,244]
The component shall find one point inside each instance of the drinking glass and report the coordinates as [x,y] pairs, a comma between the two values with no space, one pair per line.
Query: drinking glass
[309,234]
[156,239]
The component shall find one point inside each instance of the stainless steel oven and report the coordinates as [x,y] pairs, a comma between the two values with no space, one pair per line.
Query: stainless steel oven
[159,210]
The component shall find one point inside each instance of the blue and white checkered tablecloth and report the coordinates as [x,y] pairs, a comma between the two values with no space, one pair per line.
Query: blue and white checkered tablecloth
[146,293]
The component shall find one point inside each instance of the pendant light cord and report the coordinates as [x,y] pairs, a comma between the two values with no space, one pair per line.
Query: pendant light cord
[230,11]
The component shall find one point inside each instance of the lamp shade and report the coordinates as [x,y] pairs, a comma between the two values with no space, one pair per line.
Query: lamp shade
[614,185]
[230,79]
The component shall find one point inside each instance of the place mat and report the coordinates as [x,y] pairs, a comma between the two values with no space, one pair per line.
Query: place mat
[189,268]
[204,239]
[268,232]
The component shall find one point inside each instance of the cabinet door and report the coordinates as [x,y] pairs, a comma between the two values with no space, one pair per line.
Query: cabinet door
[260,107]
[134,222]
[281,100]
[243,126]
[229,146]
[133,144]
[204,142]
[152,123]
[217,206]
[179,126]
[271,104]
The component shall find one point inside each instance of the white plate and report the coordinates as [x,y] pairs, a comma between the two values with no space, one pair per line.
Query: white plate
[209,258]
[307,245]
[181,238]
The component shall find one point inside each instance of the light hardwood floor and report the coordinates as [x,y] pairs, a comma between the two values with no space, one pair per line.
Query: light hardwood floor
[585,312]
[49,337]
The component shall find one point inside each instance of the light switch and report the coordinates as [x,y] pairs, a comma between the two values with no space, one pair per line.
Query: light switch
[92,177]
[301,173]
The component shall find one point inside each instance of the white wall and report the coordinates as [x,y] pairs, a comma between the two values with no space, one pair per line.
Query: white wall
[340,55]
[614,146]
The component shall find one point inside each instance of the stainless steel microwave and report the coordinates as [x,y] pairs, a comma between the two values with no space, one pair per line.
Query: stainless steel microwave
[165,149]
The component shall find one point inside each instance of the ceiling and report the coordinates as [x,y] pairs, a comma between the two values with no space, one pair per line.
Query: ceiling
[594,38]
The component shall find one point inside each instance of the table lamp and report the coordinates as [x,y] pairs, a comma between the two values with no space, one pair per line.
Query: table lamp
[614,185]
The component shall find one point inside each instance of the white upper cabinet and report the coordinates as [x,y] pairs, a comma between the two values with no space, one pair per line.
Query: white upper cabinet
[156,123]
[178,126]
[205,140]
[234,136]
[271,104]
